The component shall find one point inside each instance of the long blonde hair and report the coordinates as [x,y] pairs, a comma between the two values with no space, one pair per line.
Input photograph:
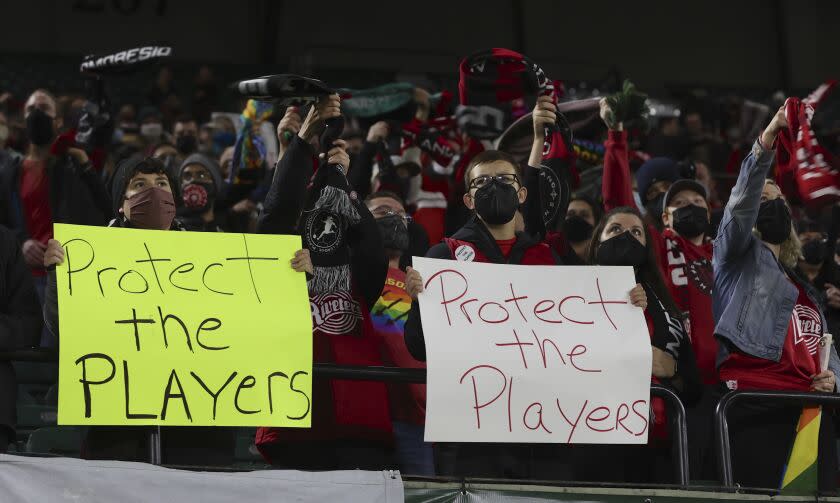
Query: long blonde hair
[790,250]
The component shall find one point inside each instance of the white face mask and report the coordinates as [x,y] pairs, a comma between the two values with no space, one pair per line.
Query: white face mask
[4,133]
[152,130]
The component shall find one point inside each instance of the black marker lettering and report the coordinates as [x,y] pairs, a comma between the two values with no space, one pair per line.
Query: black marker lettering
[216,394]
[128,414]
[152,261]
[308,402]
[86,383]
[270,399]
[249,258]
[204,279]
[182,270]
[209,321]
[164,319]
[168,394]
[242,384]
[70,270]
[134,321]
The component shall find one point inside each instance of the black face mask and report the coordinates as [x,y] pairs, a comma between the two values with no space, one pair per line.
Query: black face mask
[623,249]
[814,252]
[39,127]
[496,203]
[197,198]
[186,144]
[394,232]
[773,221]
[654,206]
[577,229]
[690,221]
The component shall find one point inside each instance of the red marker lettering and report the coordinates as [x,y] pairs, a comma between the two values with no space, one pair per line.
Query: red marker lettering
[589,417]
[476,405]
[573,425]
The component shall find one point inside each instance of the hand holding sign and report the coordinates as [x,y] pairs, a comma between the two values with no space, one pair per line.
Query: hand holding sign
[533,353]
[182,328]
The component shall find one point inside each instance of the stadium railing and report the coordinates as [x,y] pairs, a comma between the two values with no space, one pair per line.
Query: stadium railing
[677,415]
[728,401]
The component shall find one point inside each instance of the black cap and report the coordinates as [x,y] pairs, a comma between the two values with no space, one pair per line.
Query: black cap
[681,185]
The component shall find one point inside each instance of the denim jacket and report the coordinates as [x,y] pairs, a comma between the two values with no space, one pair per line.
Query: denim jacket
[752,298]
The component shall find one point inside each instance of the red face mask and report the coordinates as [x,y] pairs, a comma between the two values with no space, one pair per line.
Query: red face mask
[152,209]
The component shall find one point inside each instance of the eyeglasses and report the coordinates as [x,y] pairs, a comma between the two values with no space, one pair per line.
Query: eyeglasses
[505,178]
[385,211]
[190,176]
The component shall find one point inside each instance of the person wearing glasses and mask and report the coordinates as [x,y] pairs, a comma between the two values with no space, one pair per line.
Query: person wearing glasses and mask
[770,324]
[388,317]
[495,193]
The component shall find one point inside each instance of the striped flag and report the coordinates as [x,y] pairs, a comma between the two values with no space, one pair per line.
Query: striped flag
[800,473]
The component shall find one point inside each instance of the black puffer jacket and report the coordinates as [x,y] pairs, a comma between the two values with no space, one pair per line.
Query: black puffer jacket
[20,319]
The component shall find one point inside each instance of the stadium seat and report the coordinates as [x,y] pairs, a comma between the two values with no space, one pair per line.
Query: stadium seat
[61,441]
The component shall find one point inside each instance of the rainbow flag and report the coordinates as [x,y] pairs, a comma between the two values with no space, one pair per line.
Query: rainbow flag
[800,473]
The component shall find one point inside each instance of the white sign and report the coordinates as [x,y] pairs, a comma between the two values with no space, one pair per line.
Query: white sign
[533,354]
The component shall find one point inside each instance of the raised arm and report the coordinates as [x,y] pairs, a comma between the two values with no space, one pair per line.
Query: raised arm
[617,187]
[285,197]
[739,216]
[92,181]
[362,173]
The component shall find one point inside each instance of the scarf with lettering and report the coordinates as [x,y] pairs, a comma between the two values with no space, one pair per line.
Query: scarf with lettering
[493,84]
[807,171]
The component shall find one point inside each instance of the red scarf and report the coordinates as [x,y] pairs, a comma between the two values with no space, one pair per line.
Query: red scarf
[806,169]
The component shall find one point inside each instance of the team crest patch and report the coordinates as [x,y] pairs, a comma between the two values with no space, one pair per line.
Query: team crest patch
[807,327]
[323,231]
[335,313]
[465,253]
[701,276]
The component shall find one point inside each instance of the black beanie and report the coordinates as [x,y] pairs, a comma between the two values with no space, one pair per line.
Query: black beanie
[208,163]
[126,170]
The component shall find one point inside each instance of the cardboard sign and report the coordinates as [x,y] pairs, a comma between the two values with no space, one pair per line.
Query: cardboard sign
[533,354]
[182,328]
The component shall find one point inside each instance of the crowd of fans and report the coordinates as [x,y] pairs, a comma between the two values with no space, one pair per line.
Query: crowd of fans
[738,286]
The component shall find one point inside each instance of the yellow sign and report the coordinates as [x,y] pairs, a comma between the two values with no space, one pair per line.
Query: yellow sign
[182,329]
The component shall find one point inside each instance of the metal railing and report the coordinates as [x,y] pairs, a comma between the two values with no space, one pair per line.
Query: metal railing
[724,453]
[679,432]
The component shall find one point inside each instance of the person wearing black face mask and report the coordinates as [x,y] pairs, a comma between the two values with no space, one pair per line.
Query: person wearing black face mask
[200,181]
[622,239]
[817,264]
[43,188]
[388,317]
[769,324]
[494,194]
[677,219]
[582,215]
[814,251]
[185,132]
[685,254]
